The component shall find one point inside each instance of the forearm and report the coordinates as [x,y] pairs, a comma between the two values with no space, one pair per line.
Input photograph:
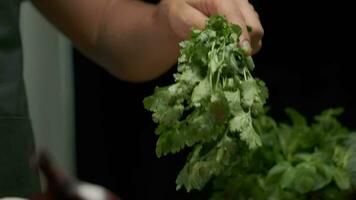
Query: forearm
[136,41]
[123,36]
[137,47]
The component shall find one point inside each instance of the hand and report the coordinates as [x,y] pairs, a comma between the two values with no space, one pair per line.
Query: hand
[181,15]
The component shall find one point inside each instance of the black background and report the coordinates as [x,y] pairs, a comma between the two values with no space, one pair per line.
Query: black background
[307,62]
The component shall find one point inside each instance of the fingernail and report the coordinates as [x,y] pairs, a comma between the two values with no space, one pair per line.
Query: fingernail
[246,46]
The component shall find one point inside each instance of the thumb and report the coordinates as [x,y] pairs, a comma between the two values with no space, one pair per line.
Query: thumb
[191,17]
[233,14]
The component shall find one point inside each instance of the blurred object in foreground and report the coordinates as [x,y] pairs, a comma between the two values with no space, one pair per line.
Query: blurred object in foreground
[62,187]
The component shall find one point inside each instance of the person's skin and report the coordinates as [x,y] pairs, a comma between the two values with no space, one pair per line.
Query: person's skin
[137,41]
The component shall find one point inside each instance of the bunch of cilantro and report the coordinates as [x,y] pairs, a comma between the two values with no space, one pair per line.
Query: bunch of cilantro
[216,109]
[298,161]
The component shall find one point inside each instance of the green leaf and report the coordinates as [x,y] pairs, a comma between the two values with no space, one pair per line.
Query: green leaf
[351,167]
[287,179]
[170,141]
[250,136]
[240,122]
[199,169]
[341,156]
[201,92]
[305,178]
[249,91]
[297,119]
[308,178]
[275,173]
[233,99]
[341,178]
[171,114]
[190,76]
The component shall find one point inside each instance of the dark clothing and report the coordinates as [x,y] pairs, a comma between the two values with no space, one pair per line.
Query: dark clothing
[16,138]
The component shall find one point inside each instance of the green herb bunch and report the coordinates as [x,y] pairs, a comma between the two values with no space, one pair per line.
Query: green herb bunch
[298,161]
[215,108]
[211,105]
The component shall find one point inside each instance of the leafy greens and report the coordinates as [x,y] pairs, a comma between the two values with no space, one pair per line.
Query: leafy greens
[216,107]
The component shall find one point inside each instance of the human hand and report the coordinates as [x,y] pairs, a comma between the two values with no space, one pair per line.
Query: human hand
[181,15]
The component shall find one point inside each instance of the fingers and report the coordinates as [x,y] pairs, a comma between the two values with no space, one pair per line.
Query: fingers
[193,13]
[252,19]
[231,10]
[238,12]
[194,18]
[182,17]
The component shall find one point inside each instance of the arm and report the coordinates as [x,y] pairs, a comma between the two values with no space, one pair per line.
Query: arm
[133,40]
[123,36]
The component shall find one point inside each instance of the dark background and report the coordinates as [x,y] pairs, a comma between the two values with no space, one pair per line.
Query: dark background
[307,62]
